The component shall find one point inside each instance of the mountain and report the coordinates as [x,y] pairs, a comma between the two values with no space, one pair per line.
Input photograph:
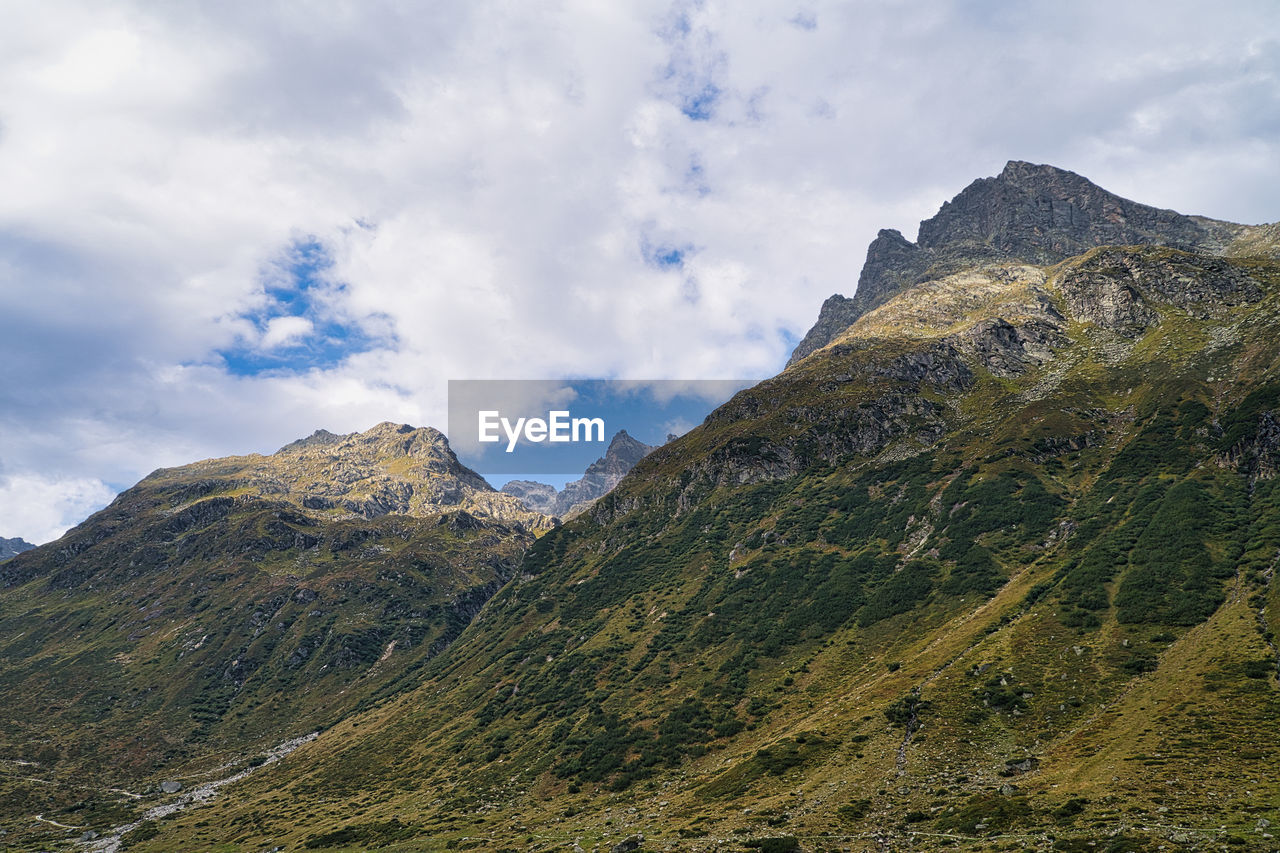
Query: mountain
[991,569]
[596,482]
[538,497]
[13,547]
[1033,213]
[216,610]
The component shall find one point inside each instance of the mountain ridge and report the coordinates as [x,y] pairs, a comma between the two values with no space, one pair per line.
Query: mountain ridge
[13,547]
[993,568]
[597,480]
[1034,213]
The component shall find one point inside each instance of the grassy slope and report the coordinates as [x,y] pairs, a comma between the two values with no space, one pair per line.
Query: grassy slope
[1049,625]
[184,643]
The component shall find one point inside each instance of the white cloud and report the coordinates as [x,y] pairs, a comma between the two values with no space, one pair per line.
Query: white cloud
[282,331]
[43,509]
[491,183]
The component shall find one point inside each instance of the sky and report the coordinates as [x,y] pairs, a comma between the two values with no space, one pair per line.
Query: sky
[225,225]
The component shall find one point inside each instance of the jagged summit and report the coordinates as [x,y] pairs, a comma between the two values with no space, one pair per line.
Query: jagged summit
[1034,213]
[602,475]
[598,480]
[1043,214]
[387,469]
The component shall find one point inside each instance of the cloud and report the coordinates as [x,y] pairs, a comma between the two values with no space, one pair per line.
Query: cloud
[221,231]
[282,331]
[43,509]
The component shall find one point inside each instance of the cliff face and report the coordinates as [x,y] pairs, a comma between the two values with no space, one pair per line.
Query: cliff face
[1033,213]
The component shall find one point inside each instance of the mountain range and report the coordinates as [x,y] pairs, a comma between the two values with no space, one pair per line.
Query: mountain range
[989,566]
[597,481]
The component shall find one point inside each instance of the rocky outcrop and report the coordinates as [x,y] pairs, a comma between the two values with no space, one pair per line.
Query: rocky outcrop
[391,469]
[893,263]
[1033,213]
[13,547]
[1009,350]
[602,475]
[1119,289]
[539,497]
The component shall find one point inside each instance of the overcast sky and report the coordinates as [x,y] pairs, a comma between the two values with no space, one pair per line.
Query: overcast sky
[224,225]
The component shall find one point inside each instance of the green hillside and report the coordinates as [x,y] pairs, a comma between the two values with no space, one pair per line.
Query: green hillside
[202,619]
[992,568]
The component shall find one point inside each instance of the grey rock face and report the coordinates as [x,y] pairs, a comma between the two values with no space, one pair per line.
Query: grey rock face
[597,481]
[1008,350]
[13,547]
[1039,214]
[1118,288]
[602,475]
[1043,214]
[538,497]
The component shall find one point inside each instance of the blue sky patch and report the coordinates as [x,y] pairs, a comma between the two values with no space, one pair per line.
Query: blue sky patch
[701,105]
[664,256]
[299,284]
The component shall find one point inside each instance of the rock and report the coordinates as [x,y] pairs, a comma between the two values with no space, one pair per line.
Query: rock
[1038,214]
[1026,765]
[1044,214]
[539,497]
[628,845]
[602,475]
[13,547]
[170,787]
[893,263]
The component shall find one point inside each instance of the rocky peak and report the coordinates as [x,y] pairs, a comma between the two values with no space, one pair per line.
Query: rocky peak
[13,547]
[388,469]
[1029,212]
[598,480]
[1043,214]
[625,449]
[602,475]
[539,497]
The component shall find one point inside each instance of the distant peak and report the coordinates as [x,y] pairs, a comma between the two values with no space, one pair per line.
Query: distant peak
[387,427]
[1016,169]
[385,431]
[319,438]
[623,441]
